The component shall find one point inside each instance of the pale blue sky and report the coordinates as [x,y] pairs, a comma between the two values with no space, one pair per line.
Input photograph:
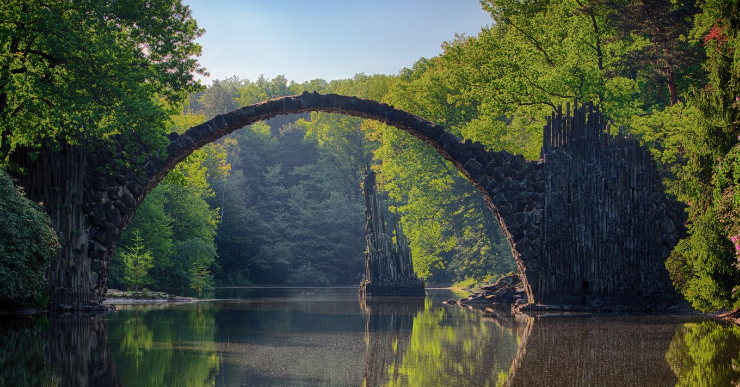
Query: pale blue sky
[329,39]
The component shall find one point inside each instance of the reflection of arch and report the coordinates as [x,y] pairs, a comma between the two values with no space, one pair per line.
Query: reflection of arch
[575,241]
[594,351]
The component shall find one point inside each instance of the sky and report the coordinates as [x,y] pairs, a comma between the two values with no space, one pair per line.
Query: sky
[328,39]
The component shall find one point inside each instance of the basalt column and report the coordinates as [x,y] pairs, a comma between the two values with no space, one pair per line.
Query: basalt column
[608,227]
[54,177]
[389,270]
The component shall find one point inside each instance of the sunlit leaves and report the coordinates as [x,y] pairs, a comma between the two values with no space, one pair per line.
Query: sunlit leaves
[89,69]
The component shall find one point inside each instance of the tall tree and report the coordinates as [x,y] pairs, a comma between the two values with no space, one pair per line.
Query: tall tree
[137,262]
[709,177]
[91,69]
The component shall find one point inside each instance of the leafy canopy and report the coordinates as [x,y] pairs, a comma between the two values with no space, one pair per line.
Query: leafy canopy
[92,69]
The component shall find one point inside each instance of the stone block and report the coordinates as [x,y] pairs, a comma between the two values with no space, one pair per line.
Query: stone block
[174,148]
[92,196]
[127,199]
[110,228]
[230,119]
[114,216]
[94,219]
[667,226]
[473,167]
[504,210]
[99,184]
[135,188]
[114,194]
[104,238]
[186,142]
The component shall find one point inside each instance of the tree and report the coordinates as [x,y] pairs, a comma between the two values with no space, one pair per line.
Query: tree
[27,245]
[200,278]
[709,176]
[91,69]
[137,263]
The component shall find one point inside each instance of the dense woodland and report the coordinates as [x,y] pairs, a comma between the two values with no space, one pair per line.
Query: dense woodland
[279,202]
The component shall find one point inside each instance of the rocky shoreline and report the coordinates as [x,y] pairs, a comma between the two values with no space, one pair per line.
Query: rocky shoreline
[508,292]
[117,297]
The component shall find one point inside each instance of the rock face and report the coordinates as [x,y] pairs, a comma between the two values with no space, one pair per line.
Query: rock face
[588,223]
[389,269]
[608,226]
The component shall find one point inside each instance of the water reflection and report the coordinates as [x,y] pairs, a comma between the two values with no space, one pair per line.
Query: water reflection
[325,338]
[167,347]
[706,354]
[388,327]
[436,346]
[61,350]
[597,351]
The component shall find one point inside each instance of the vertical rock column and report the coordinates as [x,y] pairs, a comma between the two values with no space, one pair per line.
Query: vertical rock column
[389,269]
[608,227]
[54,177]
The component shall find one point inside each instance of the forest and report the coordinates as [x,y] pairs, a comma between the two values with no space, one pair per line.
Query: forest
[279,203]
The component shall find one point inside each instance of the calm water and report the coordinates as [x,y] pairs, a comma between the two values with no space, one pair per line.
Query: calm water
[325,337]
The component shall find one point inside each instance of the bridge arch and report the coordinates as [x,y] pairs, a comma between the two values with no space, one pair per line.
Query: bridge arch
[469,158]
[567,216]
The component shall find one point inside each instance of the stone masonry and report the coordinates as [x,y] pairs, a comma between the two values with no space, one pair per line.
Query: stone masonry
[587,223]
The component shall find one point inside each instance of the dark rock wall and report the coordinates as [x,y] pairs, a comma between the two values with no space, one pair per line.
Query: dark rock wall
[608,225]
[54,177]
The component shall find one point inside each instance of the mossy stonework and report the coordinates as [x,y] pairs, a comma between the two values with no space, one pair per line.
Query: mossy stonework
[588,223]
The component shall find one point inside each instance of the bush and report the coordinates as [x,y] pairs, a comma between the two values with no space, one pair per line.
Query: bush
[27,245]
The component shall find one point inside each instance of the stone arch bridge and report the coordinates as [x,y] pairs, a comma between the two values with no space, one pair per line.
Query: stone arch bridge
[588,223]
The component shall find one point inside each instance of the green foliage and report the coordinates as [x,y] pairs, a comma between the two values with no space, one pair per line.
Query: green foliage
[136,262]
[698,144]
[27,245]
[93,69]
[151,220]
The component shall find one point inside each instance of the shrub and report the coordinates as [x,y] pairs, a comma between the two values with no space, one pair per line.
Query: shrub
[27,245]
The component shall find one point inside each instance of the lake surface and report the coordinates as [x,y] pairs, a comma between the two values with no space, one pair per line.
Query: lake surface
[326,337]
